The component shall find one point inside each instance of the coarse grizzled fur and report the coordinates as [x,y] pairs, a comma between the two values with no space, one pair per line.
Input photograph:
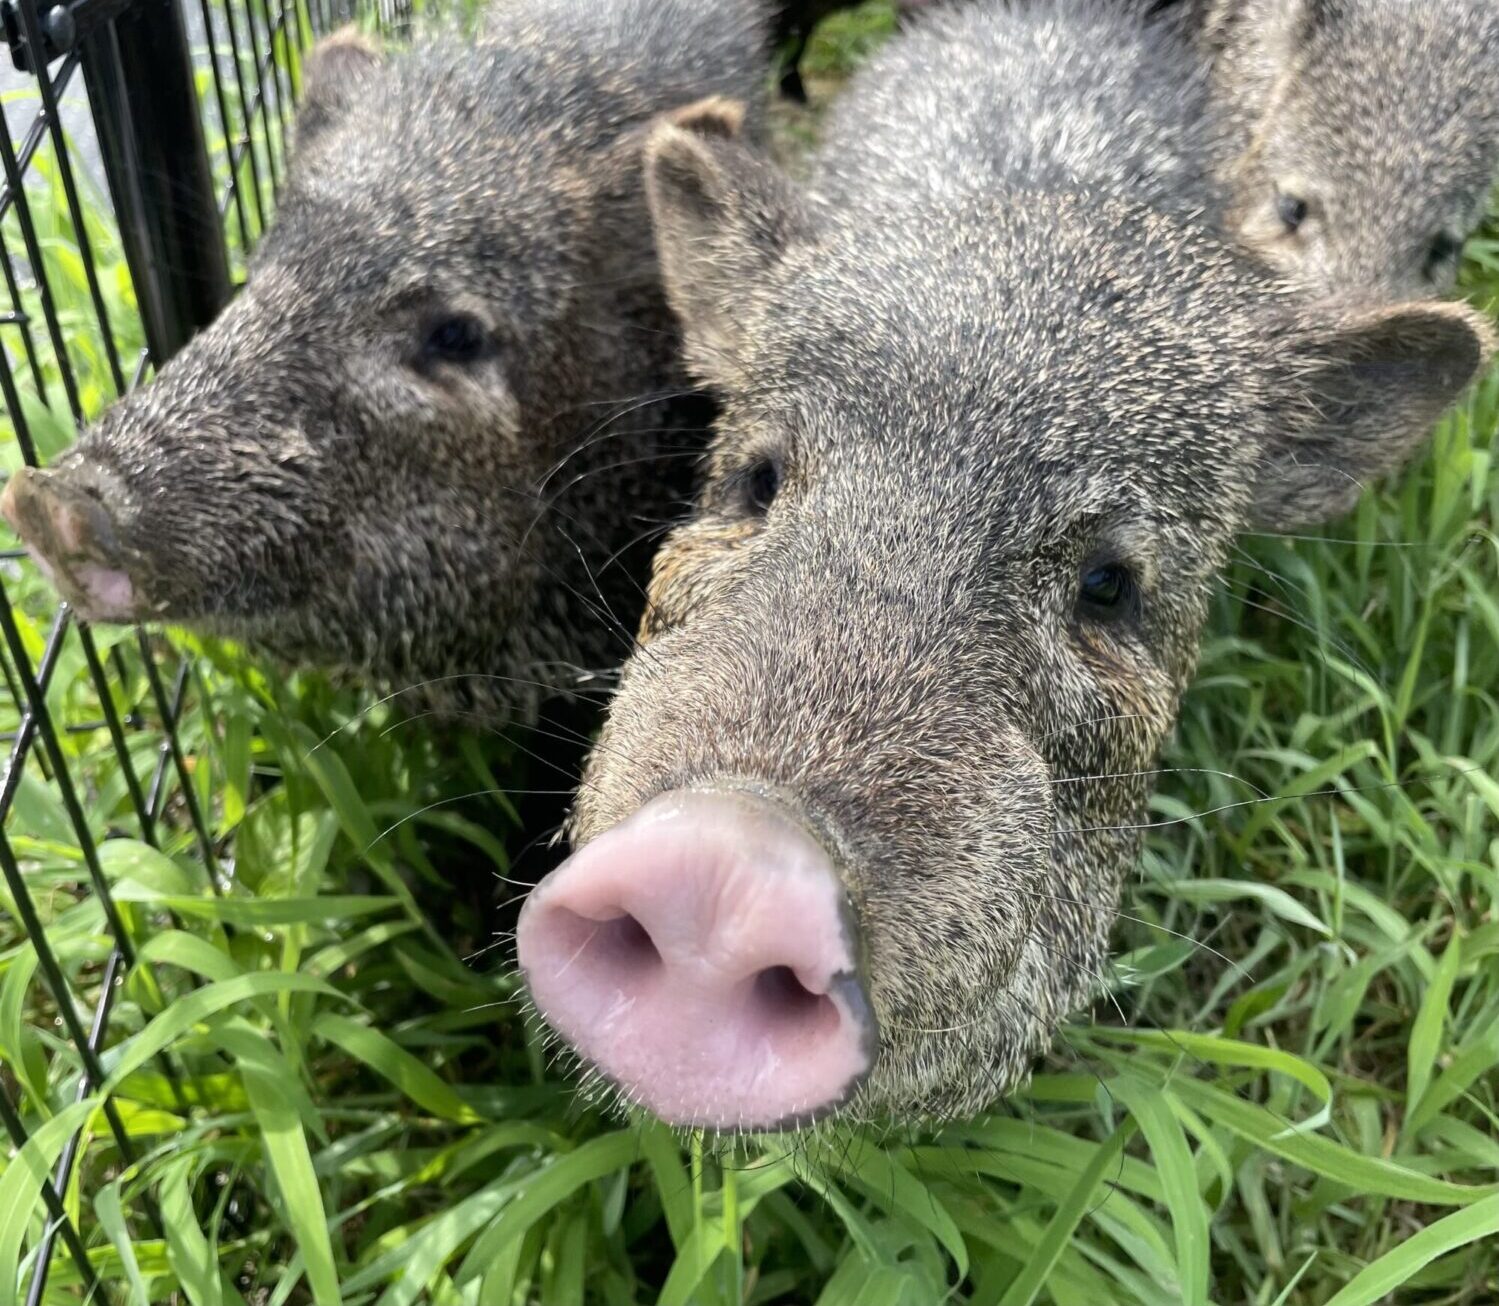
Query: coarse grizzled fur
[1124,106]
[313,476]
[941,416]
[1366,135]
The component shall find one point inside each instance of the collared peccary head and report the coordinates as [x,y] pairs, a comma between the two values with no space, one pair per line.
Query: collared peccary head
[853,836]
[1370,132]
[420,439]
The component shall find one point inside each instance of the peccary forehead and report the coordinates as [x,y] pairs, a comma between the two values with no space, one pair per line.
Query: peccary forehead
[487,164]
[436,110]
[1038,348]
[445,153]
[452,171]
[399,242]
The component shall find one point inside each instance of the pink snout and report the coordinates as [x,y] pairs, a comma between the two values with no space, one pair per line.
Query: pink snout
[702,956]
[70,535]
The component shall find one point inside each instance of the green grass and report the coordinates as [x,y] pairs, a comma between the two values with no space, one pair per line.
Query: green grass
[1302,1106]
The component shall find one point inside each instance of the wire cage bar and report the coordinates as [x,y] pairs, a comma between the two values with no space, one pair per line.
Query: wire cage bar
[175,163]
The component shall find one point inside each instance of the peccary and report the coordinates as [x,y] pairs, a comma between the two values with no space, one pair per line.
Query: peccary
[854,833]
[1367,135]
[425,437]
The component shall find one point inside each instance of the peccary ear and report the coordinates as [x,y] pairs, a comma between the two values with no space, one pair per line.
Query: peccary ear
[1373,384]
[333,71]
[714,116]
[723,218]
[619,166]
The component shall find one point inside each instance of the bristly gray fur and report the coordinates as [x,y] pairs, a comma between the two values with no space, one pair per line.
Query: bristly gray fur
[990,368]
[303,478]
[1380,116]
[1125,106]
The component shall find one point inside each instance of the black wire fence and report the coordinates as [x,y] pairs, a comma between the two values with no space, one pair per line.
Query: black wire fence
[124,226]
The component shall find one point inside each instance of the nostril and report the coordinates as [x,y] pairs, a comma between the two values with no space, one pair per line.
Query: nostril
[778,989]
[783,999]
[626,943]
[591,947]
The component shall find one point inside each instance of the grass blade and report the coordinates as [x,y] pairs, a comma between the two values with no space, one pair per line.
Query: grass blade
[1064,1222]
[1378,1279]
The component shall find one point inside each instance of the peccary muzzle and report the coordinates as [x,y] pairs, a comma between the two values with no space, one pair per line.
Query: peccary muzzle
[72,537]
[853,836]
[434,432]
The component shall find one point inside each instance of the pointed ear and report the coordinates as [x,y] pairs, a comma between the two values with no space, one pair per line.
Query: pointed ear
[619,167]
[334,70]
[1373,386]
[723,218]
[715,116]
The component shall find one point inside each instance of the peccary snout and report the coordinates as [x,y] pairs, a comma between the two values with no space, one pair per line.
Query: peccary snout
[703,956]
[70,534]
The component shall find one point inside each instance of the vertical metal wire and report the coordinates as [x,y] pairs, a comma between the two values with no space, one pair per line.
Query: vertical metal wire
[60,1221]
[41,720]
[257,64]
[31,25]
[232,143]
[143,814]
[113,973]
[274,17]
[169,711]
[236,61]
[13,397]
[14,199]
[20,319]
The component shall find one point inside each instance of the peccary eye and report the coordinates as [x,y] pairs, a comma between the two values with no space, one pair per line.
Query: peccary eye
[1444,248]
[1106,591]
[1292,210]
[761,485]
[460,338]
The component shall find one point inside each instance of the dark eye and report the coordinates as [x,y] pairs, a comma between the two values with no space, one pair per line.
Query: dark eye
[761,485]
[1445,248]
[1106,591]
[460,338]
[1292,210]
